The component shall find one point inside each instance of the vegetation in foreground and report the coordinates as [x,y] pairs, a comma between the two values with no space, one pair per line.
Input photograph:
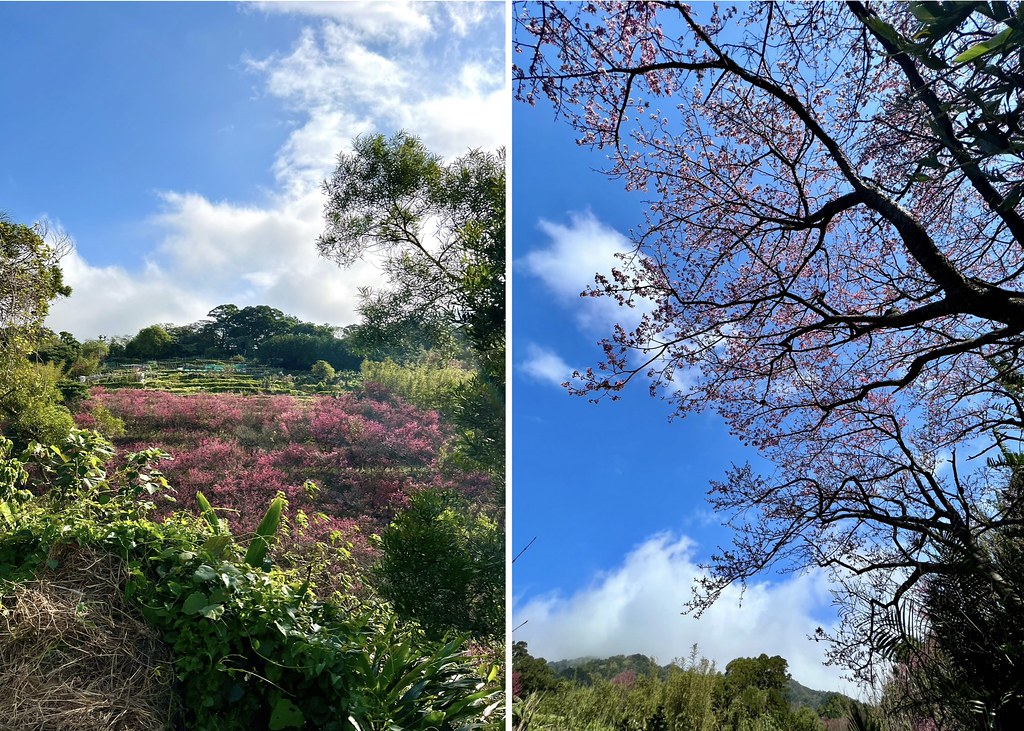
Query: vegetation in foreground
[252,646]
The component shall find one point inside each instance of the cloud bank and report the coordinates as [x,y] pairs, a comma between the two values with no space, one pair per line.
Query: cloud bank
[362,67]
[636,608]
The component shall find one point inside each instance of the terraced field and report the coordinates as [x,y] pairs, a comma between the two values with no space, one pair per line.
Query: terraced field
[211,376]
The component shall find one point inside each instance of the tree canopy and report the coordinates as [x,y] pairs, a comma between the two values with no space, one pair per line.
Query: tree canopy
[30,278]
[258,332]
[832,255]
[440,229]
[439,226]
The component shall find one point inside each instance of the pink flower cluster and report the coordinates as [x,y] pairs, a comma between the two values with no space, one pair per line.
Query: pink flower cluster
[366,452]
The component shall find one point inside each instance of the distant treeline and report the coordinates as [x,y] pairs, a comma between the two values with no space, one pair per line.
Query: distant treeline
[634,692]
[260,333]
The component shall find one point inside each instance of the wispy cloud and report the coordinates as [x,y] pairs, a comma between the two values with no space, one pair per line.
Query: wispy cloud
[544,364]
[567,264]
[363,67]
[406,21]
[636,608]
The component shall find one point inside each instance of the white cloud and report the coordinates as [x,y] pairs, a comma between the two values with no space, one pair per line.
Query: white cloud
[636,608]
[403,20]
[363,68]
[210,254]
[545,365]
[119,303]
[453,98]
[575,254]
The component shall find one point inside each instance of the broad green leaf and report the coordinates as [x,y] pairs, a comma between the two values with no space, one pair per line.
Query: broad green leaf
[883,29]
[216,545]
[980,49]
[286,715]
[925,12]
[195,602]
[205,573]
[264,532]
[212,611]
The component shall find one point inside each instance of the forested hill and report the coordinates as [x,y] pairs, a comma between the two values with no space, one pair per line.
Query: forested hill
[588,670]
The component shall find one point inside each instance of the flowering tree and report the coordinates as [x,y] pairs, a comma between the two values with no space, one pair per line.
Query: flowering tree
[832,257]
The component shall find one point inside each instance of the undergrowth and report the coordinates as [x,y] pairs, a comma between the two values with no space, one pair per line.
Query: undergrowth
[253,648]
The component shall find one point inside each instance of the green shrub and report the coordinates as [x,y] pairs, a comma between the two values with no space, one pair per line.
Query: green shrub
[443,565]
[322,371]
[252,648]
[427,385]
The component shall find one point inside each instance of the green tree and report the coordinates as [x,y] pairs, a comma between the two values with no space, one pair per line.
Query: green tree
[835,705]
[322,371]
[250,326]
[804,719]
[30,277]
[151,342]
[61,348]
[383,197]
[300,350]
[221,326]
[91,355]
[194,340]
[441,230]
[752,687]
[532,673]
[443,564]
[388,333]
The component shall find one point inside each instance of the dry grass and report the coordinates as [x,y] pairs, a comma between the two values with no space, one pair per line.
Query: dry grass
[74,658]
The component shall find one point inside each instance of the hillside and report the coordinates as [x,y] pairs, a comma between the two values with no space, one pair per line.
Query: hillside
[587,670]
[264,524]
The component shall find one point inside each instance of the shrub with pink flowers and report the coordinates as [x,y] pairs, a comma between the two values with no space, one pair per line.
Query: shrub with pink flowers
[366,452]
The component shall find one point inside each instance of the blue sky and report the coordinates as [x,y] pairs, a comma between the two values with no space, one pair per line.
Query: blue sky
[181,145]
[613,492]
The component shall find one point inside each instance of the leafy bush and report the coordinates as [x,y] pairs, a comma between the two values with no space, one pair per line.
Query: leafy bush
[322,371]
[250,644]
[31,408]
[443,565]
[299,352]
[427,384]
